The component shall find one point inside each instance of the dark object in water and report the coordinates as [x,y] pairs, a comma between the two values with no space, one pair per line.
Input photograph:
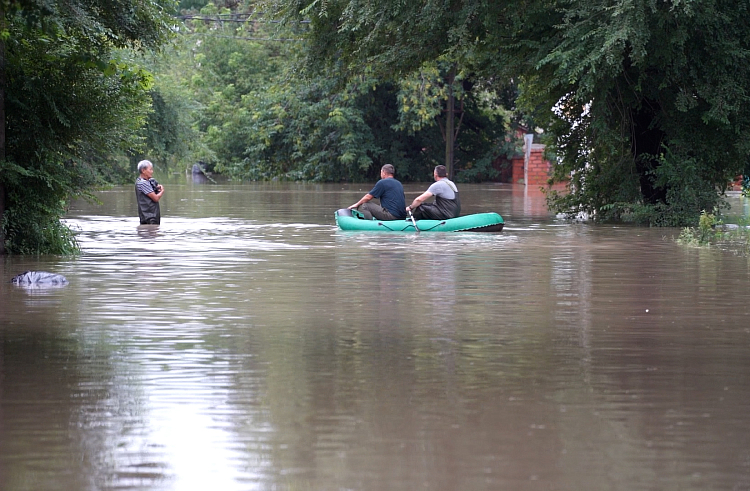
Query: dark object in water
[200,168]
[39,278]
[200,175]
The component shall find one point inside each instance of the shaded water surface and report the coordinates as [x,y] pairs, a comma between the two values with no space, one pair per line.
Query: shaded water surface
[247,344]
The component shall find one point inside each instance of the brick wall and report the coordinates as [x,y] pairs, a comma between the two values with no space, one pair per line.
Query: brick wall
[517,169]
[538,168]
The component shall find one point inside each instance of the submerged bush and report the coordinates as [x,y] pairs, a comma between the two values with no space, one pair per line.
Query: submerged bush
[712,232]
[704,234]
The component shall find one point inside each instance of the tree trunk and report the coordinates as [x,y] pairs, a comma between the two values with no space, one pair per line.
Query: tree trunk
[450,117]
[2,129]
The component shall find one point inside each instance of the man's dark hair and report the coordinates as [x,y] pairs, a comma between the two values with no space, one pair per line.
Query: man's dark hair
[389,169]
[441,171]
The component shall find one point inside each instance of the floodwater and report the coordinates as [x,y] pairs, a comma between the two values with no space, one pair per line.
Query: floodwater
[247,344]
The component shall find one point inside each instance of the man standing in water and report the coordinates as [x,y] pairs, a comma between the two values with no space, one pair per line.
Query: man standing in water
[148,192]
[390,192]
[446,205]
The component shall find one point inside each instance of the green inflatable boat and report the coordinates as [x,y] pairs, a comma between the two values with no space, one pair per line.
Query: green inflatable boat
[352,220]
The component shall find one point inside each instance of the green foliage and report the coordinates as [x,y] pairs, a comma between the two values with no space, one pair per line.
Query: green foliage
[391,37]
[705,234]
[213,68]
[318,131]
[298,133]
[650,103]
[166,130]
[166,137]
[31,224]
[422,95]
[713,232]
[184,5]
[72,101]
[314,131]
[415,45]
[688,191]
[255,117]
[255,112]
[621,88]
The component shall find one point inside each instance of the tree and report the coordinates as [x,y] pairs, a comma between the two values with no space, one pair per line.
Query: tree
[251,110]
[396,41]
[70,102]
[645,102]
[224,57]
[651,104]
[316,128]
[429,95]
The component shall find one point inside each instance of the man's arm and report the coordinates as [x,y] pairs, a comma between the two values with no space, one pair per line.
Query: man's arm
[156,196]
[419,200]
[364,199]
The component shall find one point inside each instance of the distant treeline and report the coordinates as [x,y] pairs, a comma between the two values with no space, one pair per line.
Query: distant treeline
[239,93]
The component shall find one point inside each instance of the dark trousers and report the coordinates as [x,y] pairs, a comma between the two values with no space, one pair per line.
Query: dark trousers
[429,211]
[370,210]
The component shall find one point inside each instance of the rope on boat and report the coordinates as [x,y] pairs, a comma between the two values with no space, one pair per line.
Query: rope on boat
[381,224]
[436,225]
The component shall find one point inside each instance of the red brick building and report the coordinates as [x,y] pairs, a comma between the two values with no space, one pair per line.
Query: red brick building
[529,168]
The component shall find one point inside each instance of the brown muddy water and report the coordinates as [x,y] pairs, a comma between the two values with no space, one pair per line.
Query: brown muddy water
[247,344]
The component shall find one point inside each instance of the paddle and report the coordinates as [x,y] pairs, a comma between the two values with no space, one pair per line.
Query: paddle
[414,222]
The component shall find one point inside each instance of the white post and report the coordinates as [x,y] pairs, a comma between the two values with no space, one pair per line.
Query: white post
[528,140]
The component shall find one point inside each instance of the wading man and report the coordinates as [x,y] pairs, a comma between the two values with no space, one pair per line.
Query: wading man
[148,192]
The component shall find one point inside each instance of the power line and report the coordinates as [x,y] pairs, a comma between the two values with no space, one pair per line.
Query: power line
[241,37]
[222,18]
[218,18]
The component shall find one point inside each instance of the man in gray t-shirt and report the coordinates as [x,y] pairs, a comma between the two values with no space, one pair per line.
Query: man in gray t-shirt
[446,205]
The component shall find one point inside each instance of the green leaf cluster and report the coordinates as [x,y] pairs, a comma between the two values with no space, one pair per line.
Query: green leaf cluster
[317,130]
[74,97]
[644,103]
[649,103]
[260,110]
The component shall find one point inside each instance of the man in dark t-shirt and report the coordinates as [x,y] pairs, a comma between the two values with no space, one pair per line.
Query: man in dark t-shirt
[390,192]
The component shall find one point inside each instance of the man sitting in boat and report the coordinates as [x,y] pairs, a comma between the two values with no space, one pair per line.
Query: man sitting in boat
[390,192]
[446,205]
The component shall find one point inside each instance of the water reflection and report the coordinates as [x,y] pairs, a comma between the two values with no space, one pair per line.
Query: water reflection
[148,231]
[199,179]
[245,343]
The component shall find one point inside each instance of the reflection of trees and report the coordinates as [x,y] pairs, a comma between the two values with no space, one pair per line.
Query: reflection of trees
[394,382]
[62,410]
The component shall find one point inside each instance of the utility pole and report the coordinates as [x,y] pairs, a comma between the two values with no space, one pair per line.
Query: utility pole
[450,133]
[450,118]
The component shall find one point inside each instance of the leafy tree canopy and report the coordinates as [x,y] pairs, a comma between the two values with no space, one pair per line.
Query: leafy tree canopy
[262,114]
[73,98]
[644,102]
